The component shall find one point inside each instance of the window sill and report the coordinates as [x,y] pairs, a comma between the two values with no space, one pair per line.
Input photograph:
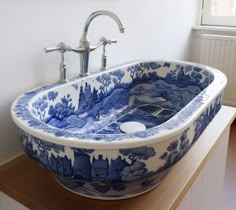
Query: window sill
[214,28]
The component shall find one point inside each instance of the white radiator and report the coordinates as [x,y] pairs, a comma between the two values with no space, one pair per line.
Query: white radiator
[219,51]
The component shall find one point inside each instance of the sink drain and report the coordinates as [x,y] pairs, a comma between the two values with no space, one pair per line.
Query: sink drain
[132,126]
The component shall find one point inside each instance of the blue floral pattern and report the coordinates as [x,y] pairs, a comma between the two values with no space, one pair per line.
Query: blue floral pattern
[103,176]
[161,95]
[135,93]
[85,173]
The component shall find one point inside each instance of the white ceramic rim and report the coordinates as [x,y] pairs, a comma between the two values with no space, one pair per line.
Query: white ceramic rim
[131,142]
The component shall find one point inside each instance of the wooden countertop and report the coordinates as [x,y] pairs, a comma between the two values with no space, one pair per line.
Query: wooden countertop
[35,187]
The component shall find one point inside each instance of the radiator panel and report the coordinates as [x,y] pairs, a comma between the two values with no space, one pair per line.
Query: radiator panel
[219,52]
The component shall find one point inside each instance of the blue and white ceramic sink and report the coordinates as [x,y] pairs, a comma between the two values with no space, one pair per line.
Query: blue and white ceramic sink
[115,134]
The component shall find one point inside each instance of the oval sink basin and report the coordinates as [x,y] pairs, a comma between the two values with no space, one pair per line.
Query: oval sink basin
[116,134]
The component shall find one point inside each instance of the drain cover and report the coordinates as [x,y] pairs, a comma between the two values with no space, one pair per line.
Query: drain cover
[132,126]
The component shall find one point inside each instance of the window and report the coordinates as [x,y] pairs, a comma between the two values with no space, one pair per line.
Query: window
[219,12]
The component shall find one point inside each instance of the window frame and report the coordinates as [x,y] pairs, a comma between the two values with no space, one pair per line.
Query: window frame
[208,19]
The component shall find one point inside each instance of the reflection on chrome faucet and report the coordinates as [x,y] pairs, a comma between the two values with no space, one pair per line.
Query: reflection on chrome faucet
[84,47]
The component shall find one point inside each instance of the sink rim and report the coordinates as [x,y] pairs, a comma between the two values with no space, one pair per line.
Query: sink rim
[209,94]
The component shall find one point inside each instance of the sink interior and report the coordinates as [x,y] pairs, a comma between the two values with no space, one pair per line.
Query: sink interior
[147,93]
[149,104]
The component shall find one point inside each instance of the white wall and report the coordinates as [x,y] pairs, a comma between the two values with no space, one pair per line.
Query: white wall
[154,29]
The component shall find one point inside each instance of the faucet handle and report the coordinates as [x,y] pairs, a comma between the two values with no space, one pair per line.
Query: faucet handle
[106,41]
[61,47]
[112,41]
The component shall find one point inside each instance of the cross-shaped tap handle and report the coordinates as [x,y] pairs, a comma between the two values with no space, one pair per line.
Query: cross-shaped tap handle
[106,41]
[61,47]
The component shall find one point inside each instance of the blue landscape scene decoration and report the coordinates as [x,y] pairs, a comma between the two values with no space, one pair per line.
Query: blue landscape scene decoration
[96,175]
[151,93]
[147,98]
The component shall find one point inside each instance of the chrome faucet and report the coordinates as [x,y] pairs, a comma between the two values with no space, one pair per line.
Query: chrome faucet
[84,46]
[61,48]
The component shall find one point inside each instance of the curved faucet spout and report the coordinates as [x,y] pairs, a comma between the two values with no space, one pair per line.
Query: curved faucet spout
[84,45]
[98,13]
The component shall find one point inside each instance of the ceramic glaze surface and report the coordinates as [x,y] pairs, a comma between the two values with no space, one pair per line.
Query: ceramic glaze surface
[75,129]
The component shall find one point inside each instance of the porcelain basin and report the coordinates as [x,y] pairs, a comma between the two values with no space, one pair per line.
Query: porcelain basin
[116,134]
